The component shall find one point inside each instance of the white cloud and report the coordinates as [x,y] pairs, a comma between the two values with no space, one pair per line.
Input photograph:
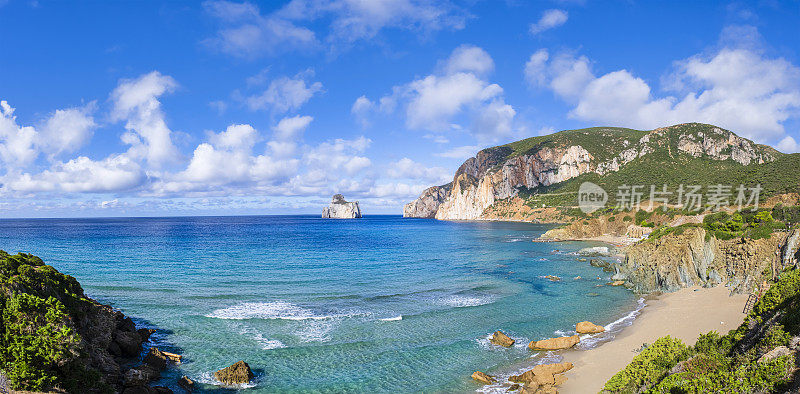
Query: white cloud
[434,100]
[406,168]
[460,152]
[67,130]
[550,19]
[788,145]
[361,109]
[293,127]
[239,136]
[469,58]
[17,143]
[83,175]
[286,94]
[136,102]
[246,32]
[738,89]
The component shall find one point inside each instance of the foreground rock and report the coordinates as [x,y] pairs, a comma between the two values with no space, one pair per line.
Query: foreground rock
[341,209]
[238,373]
[501,339]
[543,374]
[554,343]
[483,378]
[186,383]
[73,333]
[586,327]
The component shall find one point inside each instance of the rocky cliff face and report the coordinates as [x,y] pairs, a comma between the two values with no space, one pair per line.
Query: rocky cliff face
[690,258]
[341,209]
[501,172]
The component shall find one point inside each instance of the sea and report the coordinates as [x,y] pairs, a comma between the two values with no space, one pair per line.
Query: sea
[378,304]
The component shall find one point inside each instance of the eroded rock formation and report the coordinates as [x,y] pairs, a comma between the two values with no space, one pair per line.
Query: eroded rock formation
[341,209]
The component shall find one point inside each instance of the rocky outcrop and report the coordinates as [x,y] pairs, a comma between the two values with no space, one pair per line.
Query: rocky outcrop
[341,209]
[555,343]
[81,335]
[500,339]
[692,258]
[428,202]
[586,327]
[501,172]
[483,378]
[238,373]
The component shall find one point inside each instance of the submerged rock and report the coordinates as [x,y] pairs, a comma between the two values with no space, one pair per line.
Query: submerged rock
[186,383]
[238,373]
[483,378]
[586,327]
[595,251]
[341,209]
[554,343]
[501,339]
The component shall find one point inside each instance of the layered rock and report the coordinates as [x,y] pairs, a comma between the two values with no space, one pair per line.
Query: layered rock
[555,343]
[586,327]
[341,209]
[428,202]
[500,339]
[691,258]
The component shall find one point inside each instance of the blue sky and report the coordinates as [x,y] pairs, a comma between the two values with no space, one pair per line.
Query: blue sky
[216,107]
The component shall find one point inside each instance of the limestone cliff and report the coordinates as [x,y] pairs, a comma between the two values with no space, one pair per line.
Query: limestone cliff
[501,172]
[341,209]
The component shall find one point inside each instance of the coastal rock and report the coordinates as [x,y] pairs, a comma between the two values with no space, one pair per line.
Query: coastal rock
[774,353]
[542,374]
[129,342]
[483,378]
[554,343]
[175,358]
[156,359]
[186,383]
[500,339]
[552,278]
[140,376]
[238,373]
[616,283]
[586,327]
[341,209]
[428,202]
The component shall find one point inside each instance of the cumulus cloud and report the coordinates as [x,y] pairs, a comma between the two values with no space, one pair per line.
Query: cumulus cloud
[788,145]
[361,109]
[286,94]
[245,31]
[83,175]
[438,102]
[17,143]
[739,89]
[550,19]
[136,102]
[406,168]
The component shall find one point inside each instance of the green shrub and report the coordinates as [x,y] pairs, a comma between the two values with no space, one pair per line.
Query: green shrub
[649,366]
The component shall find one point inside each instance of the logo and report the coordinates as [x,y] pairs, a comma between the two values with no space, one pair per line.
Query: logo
[591,197]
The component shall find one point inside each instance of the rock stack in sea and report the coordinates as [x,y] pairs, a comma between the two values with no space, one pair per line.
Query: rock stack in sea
[341,209]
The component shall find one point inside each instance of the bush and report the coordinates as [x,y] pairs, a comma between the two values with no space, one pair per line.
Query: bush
[649,366]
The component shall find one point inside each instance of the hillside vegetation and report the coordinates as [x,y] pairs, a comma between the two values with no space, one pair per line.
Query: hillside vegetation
[759,356]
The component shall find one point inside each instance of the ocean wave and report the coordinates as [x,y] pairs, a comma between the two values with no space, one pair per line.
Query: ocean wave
[208,378]
[268,344]
[271,310]
[502,384]
[485,343]
[590,341]
[462,301]
[315,331]
[396,318]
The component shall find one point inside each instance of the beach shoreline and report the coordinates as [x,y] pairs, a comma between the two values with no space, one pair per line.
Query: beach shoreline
[684,314]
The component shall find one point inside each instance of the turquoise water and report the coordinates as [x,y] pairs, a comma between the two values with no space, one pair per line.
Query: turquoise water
[380,304]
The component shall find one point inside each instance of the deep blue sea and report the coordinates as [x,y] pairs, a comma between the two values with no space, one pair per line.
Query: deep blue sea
[379,304]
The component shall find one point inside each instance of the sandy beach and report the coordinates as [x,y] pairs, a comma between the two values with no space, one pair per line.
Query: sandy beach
[684,314]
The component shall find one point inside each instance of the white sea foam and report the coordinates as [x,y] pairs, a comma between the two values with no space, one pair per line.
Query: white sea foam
[519,342]
[590,341]
[268,344]
[396,318]
[208,378]
[501,386]
[458,301]
[316,331]
[269,310]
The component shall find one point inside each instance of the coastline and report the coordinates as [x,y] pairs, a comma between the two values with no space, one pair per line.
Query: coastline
[684,314]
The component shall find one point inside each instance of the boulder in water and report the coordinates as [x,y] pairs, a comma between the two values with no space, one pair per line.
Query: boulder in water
[501,339]
[238,373]
[554,343]
[186,383]
[483,378]
[586,327]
